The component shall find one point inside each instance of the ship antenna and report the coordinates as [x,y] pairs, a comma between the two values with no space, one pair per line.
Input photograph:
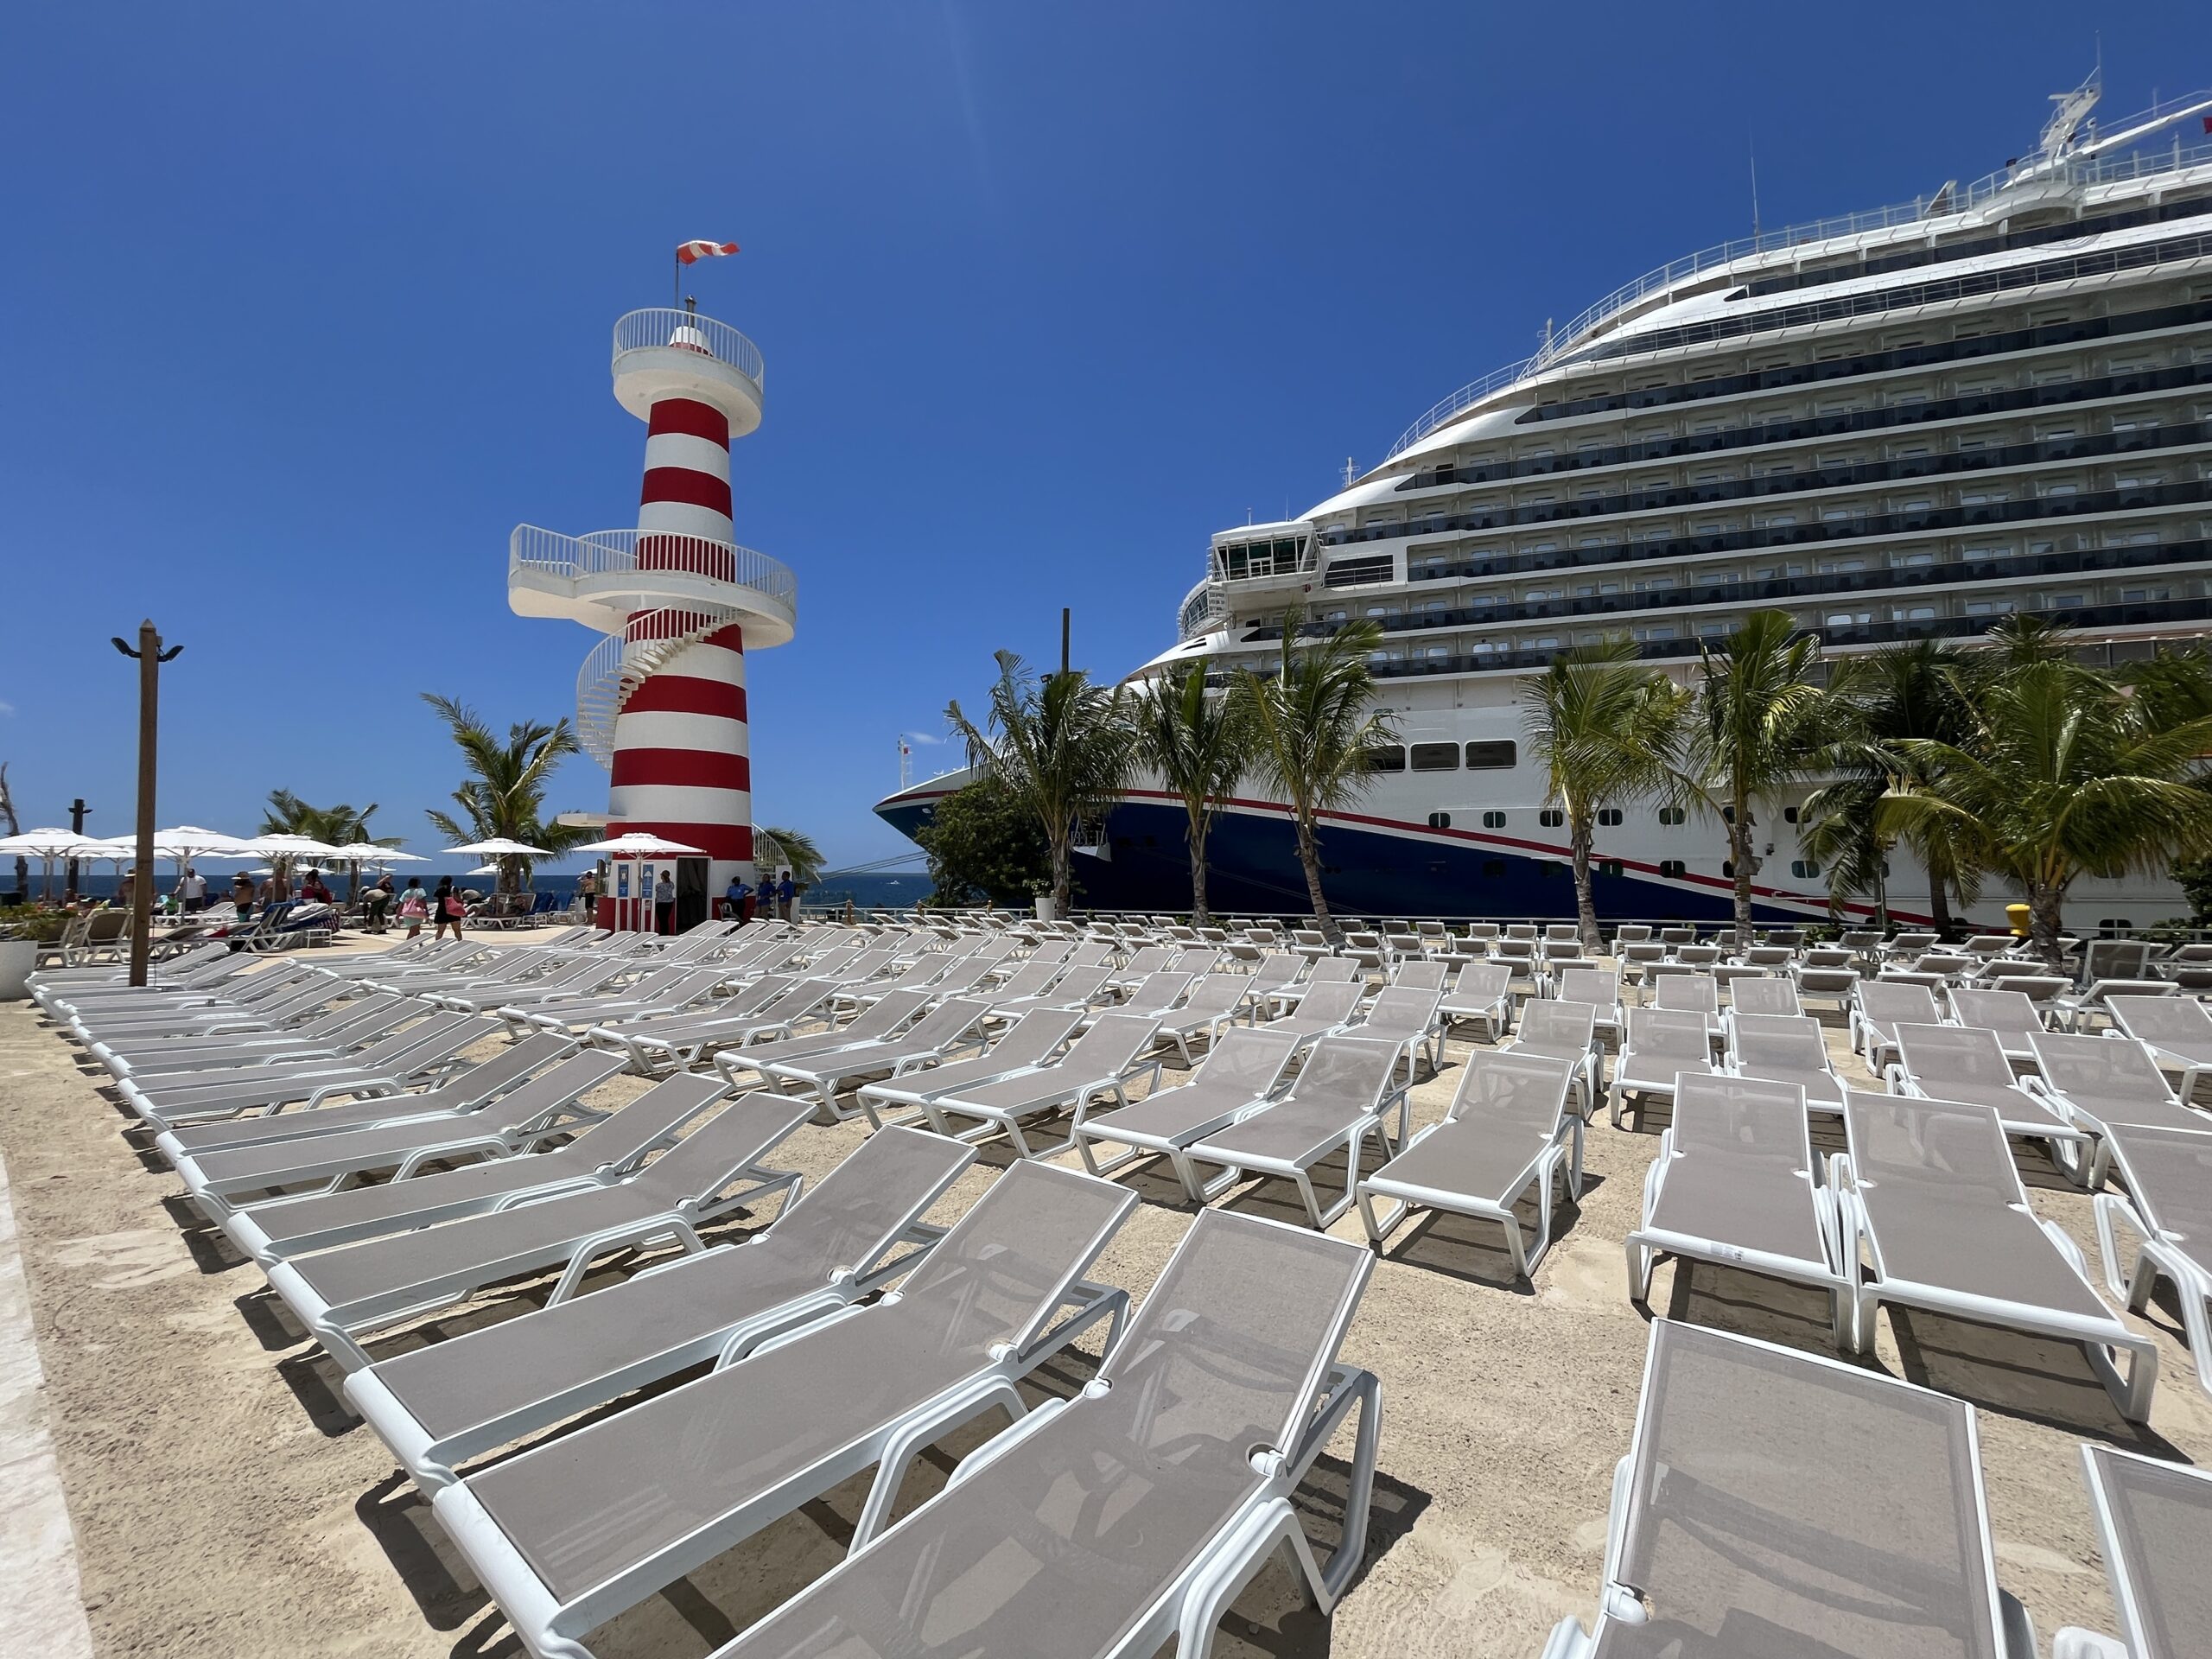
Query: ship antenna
[1754,146]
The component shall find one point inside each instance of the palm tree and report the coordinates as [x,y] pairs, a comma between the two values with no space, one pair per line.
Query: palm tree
[1312,733]
[1200,746]
[1911,691]
[788,849]
[340,826]
[2062,773]
[1606,730]
[1757,724]
[1061,744]
[504,796]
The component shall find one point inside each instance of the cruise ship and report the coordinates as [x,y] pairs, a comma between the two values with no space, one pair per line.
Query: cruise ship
[1992,400]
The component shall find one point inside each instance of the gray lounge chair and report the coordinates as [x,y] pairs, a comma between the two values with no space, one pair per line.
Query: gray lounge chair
[1239,1074]
[1783,1049]
[444,1404]
[1113,1050]
[1479,992]
[1343,1094]
[1736,1183]
[1509,1130]
[663,991]
[1877,1010]
[1597,988]
[1771,997]
[2168,1209]
[1959,1063]
[2154,1530]
[1409,1020]
[418,1053]
[1777,1503]
[1319,970]
[516,1122]
[1131,1516]
[2098,1083]
[2177,1030]
[937,1034]
[2010,1013]
[567,1535]
[1325,1009]
[1026,1046]
[883,1018]
[343,1294]
[1661,1045]
[1567,1031]
[771,1007]
[1691,994]
[320,1035]
[600,1152]
[1933,1201]
[1834,982]
[1214,1001]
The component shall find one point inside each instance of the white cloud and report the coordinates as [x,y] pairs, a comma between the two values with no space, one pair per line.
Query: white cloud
[7,707]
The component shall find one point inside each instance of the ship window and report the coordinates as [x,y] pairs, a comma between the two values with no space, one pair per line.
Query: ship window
[1804,868]
[1551,817]
[1673,868]
[1671,815]
[1610,816]
[1436,757]
[1439,820]
[1493,820]
[1492,753]
[1609,867]
[1552,867]
[1390,758]
[1789,815]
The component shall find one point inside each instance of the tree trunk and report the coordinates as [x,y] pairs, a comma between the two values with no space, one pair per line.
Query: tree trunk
[1309,860]
[1063,872]
[1585,904]
[1939,905]
[2046,901]
[1740,851]
[1195,832]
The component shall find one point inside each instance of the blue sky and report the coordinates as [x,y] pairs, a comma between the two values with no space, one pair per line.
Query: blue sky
[307,307]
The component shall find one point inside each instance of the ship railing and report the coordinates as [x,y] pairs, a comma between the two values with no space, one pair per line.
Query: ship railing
[1202,612]
[2078,173]
[667,327]
[614,552]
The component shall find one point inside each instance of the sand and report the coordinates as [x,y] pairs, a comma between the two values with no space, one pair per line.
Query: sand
[226,1502]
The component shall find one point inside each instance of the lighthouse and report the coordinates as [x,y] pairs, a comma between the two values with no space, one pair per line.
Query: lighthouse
[660,700]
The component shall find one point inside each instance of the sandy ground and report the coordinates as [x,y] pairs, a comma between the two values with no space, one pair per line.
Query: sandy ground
[226,1502]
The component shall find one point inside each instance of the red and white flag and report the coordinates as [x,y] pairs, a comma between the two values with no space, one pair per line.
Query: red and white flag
[687,254]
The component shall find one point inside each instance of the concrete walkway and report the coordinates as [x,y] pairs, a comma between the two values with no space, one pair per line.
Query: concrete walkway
[43,1611]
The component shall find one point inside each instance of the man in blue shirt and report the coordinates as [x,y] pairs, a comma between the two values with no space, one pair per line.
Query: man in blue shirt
[784,894]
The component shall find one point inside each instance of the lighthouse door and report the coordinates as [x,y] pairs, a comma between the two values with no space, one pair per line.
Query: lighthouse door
[690,892]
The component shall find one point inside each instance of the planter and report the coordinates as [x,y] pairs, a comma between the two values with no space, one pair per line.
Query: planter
[18,958]
[1046,911]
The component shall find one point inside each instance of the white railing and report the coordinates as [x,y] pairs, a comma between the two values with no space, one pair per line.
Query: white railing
[1202,609]
[614,552]
[665,326]
[2075,174]
[618,664]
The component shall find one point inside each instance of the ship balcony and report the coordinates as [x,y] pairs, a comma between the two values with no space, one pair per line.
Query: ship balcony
[600,580]
[665,353]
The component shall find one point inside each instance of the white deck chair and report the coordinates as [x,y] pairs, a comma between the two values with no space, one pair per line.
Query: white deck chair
[1343,1094]
[1774,1502]
[2177,1029]
[1929,1196]
[1509,1130]
[1661,1045]
[1409,1019]
[1568,1033]
[1957,1062]
[1692,994]
[1736,1184]
[2009,1014]
[1877,1010]
[1238,1076]
[944,1031]
[1027,1045]
[2154,1530]
[1099,1064]
[1774,997]
[1597,989]
[1785,1050]
[1481,992]
[1214,1002]
[2098,1083]
[2168,1209]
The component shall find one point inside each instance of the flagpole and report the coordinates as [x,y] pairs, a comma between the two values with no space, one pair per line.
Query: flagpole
[675,280]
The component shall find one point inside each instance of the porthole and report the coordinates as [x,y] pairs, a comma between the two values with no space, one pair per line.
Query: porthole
[1609,867]
[1551,817]
[1439,820]
[1493,820]
[1673,868]
[1610,816]
[1671,815]
[1804,868]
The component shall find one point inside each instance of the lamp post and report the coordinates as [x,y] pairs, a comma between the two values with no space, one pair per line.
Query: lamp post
[151,657]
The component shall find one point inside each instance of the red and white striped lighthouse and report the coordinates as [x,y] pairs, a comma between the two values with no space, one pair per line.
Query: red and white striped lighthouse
[662,700]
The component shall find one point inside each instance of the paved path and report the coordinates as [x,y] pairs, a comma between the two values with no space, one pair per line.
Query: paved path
[43,1611]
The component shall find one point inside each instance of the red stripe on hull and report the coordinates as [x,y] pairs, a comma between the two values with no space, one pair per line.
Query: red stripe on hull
[691,418]
[693,489]
[681,693]
[686,768]
[724,841]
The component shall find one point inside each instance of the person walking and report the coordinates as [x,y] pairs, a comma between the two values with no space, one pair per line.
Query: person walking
[414,906]
[192,890]
[785,892]
[664,904]
[447,910]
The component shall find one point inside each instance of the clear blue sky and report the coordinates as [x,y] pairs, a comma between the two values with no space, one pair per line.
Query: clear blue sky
[307,307]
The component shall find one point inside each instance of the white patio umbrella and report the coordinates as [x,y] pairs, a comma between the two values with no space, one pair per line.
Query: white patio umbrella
[357,853]
[48,846]
[501,847]
[647,847]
